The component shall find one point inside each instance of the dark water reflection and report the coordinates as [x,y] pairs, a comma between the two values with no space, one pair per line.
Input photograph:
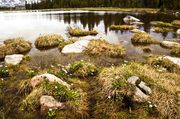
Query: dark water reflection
[30,25]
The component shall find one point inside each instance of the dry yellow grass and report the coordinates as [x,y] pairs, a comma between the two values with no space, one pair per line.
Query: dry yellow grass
[122,27]
[80,32]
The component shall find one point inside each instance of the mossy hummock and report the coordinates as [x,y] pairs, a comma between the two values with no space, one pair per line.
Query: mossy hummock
[103,48]
[176,23]
[161,24]
[79,32]
[122,27]
[162,29]
[48,41]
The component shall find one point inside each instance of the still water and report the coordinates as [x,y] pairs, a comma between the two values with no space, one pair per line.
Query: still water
[33,23]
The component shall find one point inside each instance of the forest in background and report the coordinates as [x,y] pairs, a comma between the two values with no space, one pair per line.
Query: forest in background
[49,4]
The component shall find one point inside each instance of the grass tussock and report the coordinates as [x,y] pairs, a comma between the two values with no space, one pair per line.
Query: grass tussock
[115,93]
[143,39]
[122,27]
[69,41]
[80,32]
[175,52]
[162,64]
[146,49]
[161,24]
[48,41]
[14,46]
[82,69]
[176,23]
[103,48]
[162,29]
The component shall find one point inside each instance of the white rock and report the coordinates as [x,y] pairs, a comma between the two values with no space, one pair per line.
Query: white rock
[170,44]
[13,59]
[137,23]
[76,47]
[133,80]
[139,96]
[39,78]
[178,32]
[48,102]
[143,86]
[129,19]
[175,60]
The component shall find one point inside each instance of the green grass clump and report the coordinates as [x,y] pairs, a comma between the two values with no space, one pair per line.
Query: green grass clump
[62,44]
[14,46]
[103,48]
[143,39]
[80,32]
[4,72]
[176,23]
[162,29]
[48,41]
[122,27]
[160,62]
[161,24]
[175,52]
[83,69]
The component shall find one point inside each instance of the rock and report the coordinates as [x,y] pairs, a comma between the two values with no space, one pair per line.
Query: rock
[143,86]
[139,96]
[76,47]
[13,59]
[48,102]
[137,31]
[129,19]
[133,80]
[170,44]
[178,32]
[175,60]
[137,23]
[39,78]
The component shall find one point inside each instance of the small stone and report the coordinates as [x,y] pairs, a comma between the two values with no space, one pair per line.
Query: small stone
[143,86]
[13,59]
[133,80]
[49,103]
[170,44]
[139,96]
[175,60]
[178,32]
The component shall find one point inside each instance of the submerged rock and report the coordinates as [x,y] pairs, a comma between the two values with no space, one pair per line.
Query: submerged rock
[49,103]
[76,47]
[13,59]
[129,19]
[52,78]
[175,60]
[170,44]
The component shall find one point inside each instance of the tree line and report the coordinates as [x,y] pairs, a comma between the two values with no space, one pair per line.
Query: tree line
[48,4]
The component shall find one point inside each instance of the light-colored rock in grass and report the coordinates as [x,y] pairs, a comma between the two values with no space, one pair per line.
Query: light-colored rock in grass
[76,47]
[170,44]
[133,80]
[139,96]
[175,60]
[143,86]
[137,23]
[51,78]
[178,31]
[137,31]
[13,59]
[129,19]
[49,103]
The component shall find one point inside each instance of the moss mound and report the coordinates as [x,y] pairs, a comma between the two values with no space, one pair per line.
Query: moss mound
[67,42]
[103,48]
[80,32]
[48,41]
[14,46]
[162,29]
[176,23]
[143,39]
[122,27]
[83,69]
[175,52]
[115,95]
[161,24]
